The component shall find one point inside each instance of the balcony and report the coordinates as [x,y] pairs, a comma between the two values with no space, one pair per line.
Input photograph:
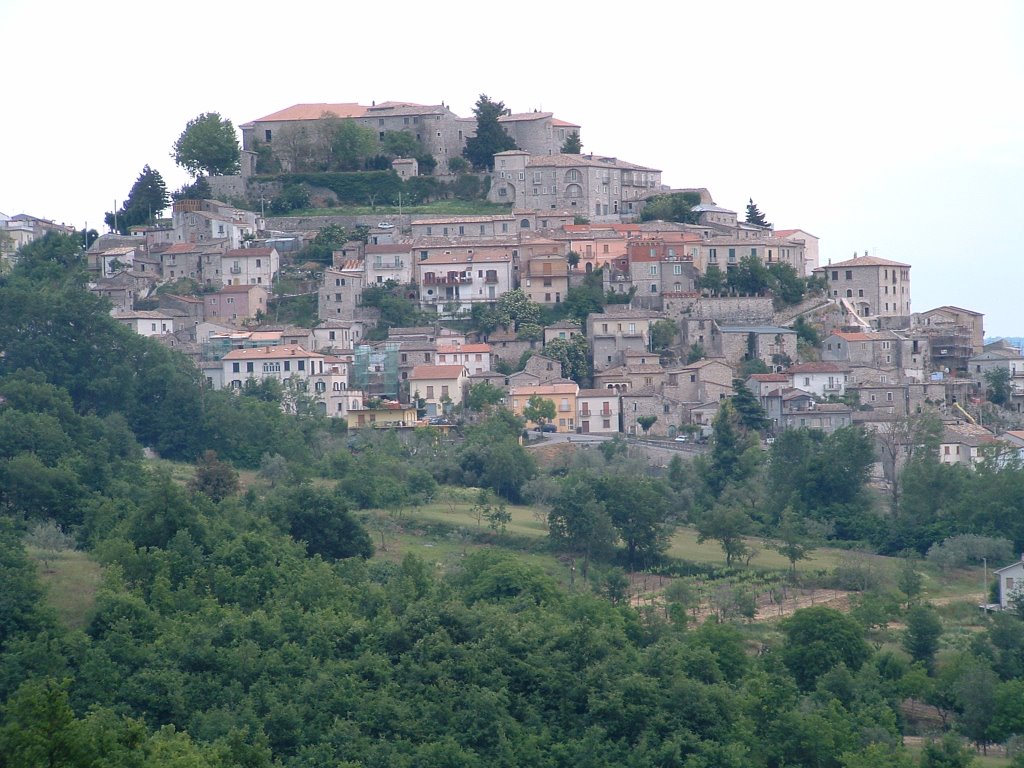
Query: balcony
[392,264]
[235,270]
[447,280]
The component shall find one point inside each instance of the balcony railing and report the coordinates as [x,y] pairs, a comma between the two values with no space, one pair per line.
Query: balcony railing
[235,270]
[447,280]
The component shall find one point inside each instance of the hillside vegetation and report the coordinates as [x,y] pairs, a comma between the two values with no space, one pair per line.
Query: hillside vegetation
[422,600]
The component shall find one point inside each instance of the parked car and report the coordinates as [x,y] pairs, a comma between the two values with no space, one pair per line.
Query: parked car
[681,439]
[546,428]
[385,225]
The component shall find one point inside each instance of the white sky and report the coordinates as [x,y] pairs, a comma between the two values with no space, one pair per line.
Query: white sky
[892,127]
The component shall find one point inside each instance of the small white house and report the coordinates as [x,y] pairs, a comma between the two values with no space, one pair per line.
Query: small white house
[146,322]
[1011,583]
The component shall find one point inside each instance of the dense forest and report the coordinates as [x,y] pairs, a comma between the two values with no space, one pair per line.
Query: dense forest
[253,626]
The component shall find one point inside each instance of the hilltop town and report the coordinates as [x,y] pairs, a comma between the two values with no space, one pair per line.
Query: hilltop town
[570,293]
[404,438]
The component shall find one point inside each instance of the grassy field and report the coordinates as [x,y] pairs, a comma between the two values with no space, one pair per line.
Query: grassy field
[71,579]
[437,208]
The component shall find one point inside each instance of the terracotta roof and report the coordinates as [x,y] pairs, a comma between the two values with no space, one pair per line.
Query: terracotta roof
[313,112]
[437,372]
[236,252]
[865,261]
[854,336]
[769,378]
[547,389]
[478,256]
[271,353]
[524,116]
[180,248]
[463,348]
[589,161]
[599,392]
[818,368]
[563,123]
[142,314]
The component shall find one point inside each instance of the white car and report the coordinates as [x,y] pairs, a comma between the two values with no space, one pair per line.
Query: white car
[385,225]
[681,439]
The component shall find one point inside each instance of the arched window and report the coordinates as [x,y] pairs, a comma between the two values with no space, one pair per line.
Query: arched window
[320,386]
[572,175]
[574,190]
[524,224]
[849,293]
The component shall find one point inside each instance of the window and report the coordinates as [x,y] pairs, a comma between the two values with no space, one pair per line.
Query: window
[653,270]
[234,367]
[430,392]
[248,368]
[268,135]
[444,391]
[677,269]
[849,274]
[302,365]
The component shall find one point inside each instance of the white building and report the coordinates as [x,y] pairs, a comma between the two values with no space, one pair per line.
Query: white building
[280,362]
[251,266]
[146,322]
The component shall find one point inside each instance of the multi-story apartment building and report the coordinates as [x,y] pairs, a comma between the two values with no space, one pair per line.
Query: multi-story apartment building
[280,363]
[545,279]
[251,266]
[455,278]
[726,251]
[203,221]
[392,261]
[875,288]
[600,188]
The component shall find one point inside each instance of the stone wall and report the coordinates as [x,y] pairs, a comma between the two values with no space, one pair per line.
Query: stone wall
[728,310]
[227,188]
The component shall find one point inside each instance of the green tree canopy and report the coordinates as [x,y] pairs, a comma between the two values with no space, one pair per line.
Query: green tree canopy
[754,215]
[146,201]
[675,206]
[817,640]
[208,145]
[490,135]
[539,410]
[572,144]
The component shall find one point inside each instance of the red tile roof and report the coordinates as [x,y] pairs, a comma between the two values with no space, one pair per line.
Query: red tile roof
[437,372]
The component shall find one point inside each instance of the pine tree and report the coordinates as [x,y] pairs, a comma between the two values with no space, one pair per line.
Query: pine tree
[490,136]
[572,145]
[748,411]
[146,201]
[754,216]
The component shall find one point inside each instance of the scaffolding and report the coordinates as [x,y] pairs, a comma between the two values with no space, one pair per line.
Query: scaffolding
[375,369]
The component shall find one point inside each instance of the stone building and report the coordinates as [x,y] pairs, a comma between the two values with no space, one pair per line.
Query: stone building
[875,288]
[539,133]
[296,134]
[340,292]
[616,330]
[599,188]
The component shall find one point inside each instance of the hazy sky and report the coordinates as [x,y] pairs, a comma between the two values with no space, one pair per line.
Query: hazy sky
[892,127]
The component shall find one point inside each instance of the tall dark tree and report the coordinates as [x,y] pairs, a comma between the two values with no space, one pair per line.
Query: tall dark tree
[208,145]
[146,201]
[754,215]
[572,144]
[490,136]
[749,412]
[817,640]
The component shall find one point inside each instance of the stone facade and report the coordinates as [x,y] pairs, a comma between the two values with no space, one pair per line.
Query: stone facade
[615,331]
[875,288]
[340,293]
[599,188]
[539,133]
[296,135]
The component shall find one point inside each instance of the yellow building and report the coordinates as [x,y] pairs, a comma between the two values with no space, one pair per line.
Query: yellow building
[562,394]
